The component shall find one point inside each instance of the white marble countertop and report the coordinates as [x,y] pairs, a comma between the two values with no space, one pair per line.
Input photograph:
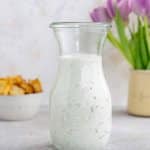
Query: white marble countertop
[128,133]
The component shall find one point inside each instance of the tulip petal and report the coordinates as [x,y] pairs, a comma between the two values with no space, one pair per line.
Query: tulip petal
[110,8]
[124,9]
[138,6]
[148,8]
[100,15]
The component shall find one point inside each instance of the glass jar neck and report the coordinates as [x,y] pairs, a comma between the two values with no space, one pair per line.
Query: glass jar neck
[80,38]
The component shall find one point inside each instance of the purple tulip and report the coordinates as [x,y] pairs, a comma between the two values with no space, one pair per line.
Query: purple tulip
[140,7]
[100,14]
[108,13]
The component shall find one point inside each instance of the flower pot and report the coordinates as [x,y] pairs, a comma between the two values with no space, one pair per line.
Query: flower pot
[139,93]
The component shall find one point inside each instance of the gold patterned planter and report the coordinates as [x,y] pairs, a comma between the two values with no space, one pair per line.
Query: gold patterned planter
[139,93]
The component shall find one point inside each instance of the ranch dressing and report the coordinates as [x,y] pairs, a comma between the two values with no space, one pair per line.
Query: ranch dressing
[80,108]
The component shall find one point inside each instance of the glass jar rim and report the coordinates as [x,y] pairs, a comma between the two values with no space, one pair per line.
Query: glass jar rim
[80,24]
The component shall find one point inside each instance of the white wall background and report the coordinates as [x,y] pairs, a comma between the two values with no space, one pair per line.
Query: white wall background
[27,45]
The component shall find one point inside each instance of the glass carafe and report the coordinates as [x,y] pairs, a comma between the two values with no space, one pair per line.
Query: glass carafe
[80,102]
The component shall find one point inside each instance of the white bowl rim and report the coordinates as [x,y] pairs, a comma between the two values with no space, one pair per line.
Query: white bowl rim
[25,95]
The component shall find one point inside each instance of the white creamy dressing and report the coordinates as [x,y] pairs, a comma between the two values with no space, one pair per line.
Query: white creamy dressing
[80,104]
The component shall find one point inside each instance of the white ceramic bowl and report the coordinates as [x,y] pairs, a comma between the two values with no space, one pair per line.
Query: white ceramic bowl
[20,107]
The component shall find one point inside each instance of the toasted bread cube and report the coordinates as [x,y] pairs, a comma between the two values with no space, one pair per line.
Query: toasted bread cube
[2,78]
[3,85]
[16,85]
[16,79]
[36,84]
[15,90]
[27,87]
[7,89]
